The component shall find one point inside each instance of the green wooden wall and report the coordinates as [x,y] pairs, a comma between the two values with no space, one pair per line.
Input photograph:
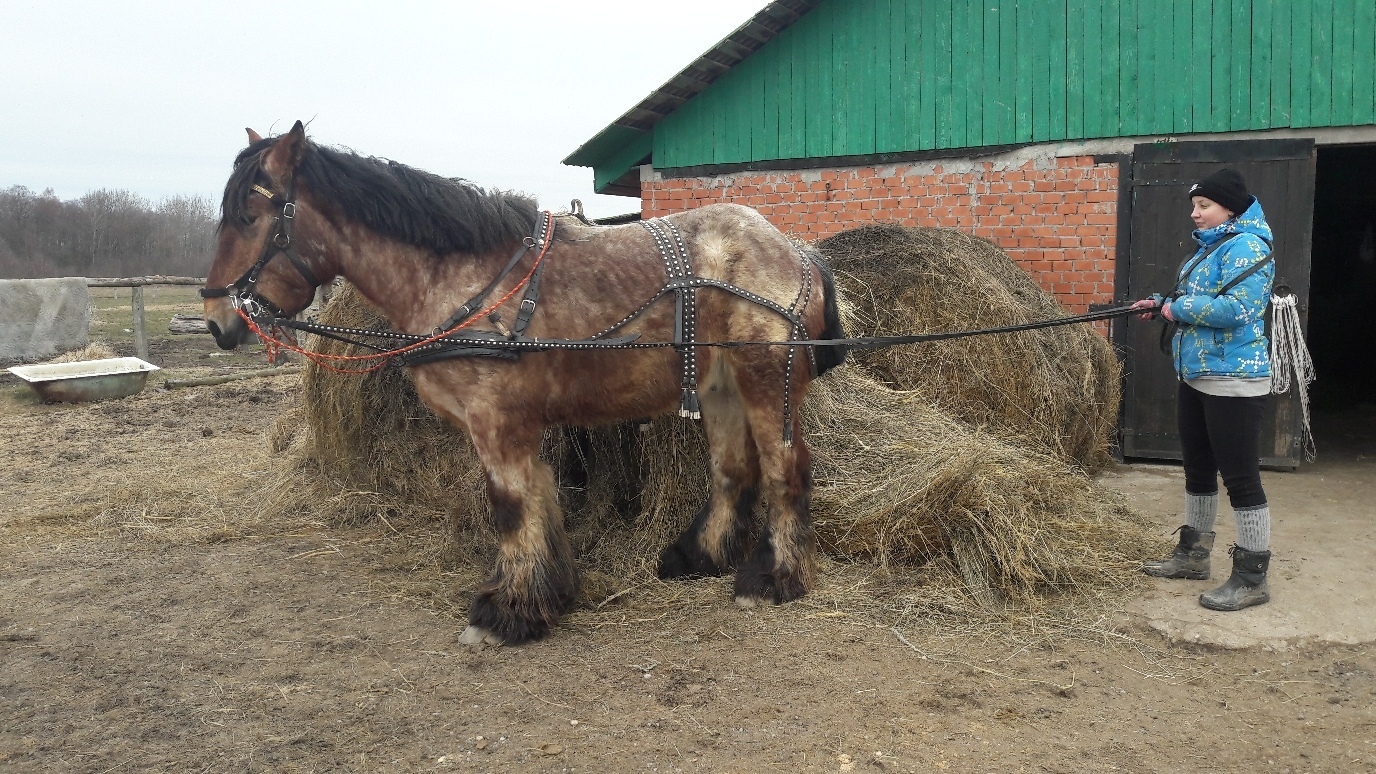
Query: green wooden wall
[861,77]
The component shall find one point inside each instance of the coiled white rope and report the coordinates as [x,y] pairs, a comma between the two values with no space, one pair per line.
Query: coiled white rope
[1290,361]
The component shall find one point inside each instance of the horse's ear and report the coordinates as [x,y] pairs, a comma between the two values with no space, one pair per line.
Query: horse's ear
[281,159]
[252,135]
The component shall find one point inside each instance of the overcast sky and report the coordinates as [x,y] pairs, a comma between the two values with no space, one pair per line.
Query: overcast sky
[153,97]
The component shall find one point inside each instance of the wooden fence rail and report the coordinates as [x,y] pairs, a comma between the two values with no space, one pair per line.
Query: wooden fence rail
[138,284]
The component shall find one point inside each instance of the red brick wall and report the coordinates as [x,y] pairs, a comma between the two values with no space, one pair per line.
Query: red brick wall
[1057,219]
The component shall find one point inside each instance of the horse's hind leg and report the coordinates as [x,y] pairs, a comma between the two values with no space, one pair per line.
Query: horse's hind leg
[780,567]
[717,539]
[534,581]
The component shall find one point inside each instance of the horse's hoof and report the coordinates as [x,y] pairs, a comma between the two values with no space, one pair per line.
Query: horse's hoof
[748,603]
[476,635]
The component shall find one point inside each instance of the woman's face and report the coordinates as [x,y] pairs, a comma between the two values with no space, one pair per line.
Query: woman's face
[1208,213]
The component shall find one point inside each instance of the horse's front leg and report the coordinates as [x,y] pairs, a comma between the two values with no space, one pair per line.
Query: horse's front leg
[534,581]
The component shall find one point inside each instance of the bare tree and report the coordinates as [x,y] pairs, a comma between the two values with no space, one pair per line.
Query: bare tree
[104,233]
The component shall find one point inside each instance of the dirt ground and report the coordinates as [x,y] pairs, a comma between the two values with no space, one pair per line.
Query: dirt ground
[148,623]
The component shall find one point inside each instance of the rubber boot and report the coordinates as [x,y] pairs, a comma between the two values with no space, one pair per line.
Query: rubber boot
[1190,559]
[1246,586]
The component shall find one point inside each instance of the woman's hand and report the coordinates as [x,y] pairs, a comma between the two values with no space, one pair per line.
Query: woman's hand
[1148,307]
[1166,311]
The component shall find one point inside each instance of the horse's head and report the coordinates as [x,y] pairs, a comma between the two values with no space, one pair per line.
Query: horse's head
[258,267]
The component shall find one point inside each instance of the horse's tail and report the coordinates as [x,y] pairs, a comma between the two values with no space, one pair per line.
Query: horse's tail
[828,357]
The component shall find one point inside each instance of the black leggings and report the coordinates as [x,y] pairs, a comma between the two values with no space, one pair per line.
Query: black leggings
[1221,435]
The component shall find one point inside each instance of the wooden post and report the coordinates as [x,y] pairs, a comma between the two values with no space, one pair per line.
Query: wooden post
[140,332]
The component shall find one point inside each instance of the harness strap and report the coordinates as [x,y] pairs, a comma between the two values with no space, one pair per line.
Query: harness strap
[678,269]
[538,237]
[528,302]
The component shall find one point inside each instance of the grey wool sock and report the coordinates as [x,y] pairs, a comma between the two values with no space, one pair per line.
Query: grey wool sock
[1201,510]
[1253,528]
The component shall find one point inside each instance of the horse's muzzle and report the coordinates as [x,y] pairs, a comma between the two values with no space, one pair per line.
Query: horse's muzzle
[234,333]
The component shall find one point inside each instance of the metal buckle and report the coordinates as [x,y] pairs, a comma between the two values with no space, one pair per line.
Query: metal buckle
[289,210]
[525,301]
[282,241]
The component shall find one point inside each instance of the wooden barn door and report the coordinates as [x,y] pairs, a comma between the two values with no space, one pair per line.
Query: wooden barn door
[1280,173]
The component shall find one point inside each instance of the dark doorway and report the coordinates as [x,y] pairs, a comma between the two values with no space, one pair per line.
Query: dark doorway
[1342,320]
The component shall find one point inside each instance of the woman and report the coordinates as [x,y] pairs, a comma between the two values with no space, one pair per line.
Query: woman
[1223,362]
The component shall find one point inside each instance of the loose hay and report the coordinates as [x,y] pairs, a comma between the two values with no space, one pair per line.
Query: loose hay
[1055,388]
[964,513]
[96,350]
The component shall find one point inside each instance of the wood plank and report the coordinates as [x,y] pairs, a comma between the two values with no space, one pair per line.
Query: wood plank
[781,66]
[1008,71]
[798,76]
[1148,48]
[764,137]
[1199,84]
[1344,13]
[1056,68]
[843,86]
[1282,41]
[1364,64]
[881,30]
[865,71]
[895,136]
[1220,56]
[960,50]
[944,72]
[1178,71]
[1041,72]
[1093,52]
[1300,62]
[1128,42]
[990,90]
[973,70]
[1240,115]
[1260,67]
[1076,41]
[734,119]
[820,104]
[1022,106]
[1111,100]
[1321,64]
[929,46]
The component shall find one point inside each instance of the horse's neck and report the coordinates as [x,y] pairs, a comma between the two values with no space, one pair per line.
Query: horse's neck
[393,276]
[412,289]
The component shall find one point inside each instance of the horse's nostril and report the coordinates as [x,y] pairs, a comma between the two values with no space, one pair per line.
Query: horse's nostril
[213,328]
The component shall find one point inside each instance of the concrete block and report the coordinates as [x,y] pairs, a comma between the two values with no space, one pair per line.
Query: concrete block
[40,318]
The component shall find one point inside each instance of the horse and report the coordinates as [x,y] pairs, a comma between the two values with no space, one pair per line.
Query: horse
[297,214]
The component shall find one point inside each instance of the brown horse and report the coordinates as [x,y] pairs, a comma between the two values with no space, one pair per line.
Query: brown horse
[418,246]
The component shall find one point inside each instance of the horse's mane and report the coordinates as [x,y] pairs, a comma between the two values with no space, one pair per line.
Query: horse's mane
[412,206]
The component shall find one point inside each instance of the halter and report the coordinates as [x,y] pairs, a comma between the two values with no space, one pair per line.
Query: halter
[242,292]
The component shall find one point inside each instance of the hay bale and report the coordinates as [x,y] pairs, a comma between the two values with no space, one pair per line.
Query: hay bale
[899,482]
[1056,388]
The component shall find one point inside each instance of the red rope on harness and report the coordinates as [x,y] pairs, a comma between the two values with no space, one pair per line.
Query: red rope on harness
[274,345]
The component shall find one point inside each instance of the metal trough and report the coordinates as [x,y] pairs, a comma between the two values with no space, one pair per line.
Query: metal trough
[86,380]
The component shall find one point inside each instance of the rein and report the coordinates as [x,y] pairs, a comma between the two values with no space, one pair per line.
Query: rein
[631,342]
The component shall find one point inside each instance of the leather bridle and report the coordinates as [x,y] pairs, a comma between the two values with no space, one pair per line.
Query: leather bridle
[242,293]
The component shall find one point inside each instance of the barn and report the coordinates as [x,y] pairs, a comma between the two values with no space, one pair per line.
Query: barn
[1064,131]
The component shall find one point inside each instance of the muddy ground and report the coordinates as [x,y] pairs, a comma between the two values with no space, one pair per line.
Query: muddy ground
[148,622]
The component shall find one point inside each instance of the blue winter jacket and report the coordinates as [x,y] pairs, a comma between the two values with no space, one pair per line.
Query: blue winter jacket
[1225,335]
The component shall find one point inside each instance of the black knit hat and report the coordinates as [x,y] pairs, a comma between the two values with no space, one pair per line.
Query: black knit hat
[1225,187]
